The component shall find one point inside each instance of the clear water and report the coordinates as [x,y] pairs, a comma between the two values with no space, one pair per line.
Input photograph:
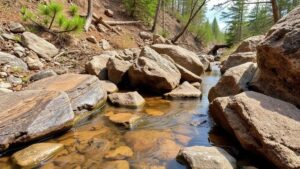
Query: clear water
[155,140]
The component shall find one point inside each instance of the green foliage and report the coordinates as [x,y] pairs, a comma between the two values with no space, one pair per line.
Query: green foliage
[165,33]
[141,9]
[210,33]
[52,18]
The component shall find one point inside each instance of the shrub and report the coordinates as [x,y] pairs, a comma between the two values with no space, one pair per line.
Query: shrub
[51,18]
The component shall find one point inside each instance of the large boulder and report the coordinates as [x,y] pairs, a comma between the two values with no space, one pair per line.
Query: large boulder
[234,81]
[97,66]
[84,91]
[39,45]
[181,56]
[117,69]
[32,114]
[154,71]
[185,90]
[278,60]
[238,59]
[263,125]
[200,157]
[13,61]
[249,44]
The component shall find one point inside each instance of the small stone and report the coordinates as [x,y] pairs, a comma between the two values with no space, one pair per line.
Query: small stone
[19,50]
[33,155]
[4,90]
[16,27]
[9,36]
[105,44]
[200,157]
[197,123]
[109,13]
[108,86]
[14,80]
[146,35]
[3,74]
[101,28]
[5,85]
[130,99]
[119,153]
[33,62]
[185,90]
[42,74]
[92,39]
[128,120]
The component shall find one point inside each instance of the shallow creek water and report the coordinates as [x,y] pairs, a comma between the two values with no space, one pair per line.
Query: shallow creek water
[165,126]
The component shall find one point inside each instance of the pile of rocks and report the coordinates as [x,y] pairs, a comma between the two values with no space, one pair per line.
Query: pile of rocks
[265,121]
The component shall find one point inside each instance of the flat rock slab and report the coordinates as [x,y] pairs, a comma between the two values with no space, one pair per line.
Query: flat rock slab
[33,155]
[32,114]
[39,45]
[262,125]
[185,90]
[128,120]
[129,100]
[13,61]
[238,59]
[200,157]
[85,91]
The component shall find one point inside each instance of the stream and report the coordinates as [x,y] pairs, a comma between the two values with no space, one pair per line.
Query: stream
[165,126]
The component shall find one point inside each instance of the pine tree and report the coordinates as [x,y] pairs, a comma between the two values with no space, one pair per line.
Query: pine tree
[259,20]
[235,18]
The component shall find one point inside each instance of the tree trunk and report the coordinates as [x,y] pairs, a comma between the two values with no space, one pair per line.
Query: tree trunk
[89,16]
[192,16]
[275,10]
[156,16]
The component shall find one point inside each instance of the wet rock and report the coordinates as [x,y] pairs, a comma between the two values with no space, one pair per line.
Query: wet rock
[39,45]
[16,27]
[145,35]
[187,75]
[119,164]
[154,112]
[238,59]
[185,90]
[200,157]
[262,124]
[14,80]
[128,120]
[117,69]
[31,114]
[69,161]
[84,91]
[158,143]
[42,74]
[105,44]
[13,61]
[108,86]
[153,71]
[33,62]
[250,44]
[119,153]
[130,99]
[181,56]
[97,66]
[204,61]
[92,39]
[33,155]
[109,13]
[278,60]
[234,81]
